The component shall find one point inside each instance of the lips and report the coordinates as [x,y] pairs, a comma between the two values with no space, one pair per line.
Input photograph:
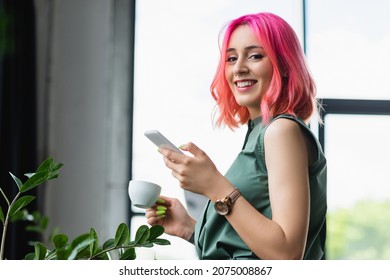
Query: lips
[245,83]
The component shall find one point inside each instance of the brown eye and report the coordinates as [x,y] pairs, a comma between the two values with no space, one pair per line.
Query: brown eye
[256,56]
[231,59]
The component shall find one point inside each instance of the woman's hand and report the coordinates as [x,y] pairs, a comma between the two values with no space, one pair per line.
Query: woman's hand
[196,173]
[171,214]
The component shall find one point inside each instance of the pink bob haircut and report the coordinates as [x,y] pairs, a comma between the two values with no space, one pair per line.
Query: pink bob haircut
[291,90]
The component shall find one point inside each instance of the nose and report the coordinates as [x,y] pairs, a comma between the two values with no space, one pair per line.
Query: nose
[240,67]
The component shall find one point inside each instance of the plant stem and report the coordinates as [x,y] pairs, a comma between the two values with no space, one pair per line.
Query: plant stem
[2,249]
[112,249]
[5,197]
[3,238]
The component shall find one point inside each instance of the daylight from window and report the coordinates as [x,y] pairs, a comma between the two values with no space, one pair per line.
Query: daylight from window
[176,53]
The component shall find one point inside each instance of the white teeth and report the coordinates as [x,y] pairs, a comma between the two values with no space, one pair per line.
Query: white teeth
[244,84]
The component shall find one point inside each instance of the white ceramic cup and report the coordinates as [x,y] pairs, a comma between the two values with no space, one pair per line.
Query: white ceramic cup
[143,194]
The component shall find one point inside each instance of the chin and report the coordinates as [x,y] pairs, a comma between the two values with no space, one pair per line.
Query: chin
[248,102]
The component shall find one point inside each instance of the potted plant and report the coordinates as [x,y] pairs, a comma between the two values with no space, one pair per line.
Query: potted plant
[85,246]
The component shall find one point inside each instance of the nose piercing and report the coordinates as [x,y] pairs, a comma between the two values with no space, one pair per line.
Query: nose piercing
[236,74]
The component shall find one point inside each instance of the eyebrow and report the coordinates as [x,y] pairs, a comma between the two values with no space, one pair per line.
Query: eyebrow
[248,48]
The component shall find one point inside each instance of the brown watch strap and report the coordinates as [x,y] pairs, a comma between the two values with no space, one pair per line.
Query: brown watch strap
[234,195]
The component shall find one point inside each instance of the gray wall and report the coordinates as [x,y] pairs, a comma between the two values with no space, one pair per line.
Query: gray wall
[83,85]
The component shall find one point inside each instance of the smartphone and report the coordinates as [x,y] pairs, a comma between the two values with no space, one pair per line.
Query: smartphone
[160,140]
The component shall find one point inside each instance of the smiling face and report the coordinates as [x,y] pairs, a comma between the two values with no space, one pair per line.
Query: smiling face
[248,70]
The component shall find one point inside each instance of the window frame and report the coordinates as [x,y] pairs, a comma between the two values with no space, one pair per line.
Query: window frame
[350,107]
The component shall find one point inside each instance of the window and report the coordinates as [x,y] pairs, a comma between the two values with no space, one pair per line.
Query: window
[355,137]
[347,48]
[347,45]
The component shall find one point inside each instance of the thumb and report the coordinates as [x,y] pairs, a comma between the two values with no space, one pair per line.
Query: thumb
[192,148]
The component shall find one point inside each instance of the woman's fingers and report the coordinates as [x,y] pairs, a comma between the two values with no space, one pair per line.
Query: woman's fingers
[158,211]
[153,217]
[171,155]
[193,149]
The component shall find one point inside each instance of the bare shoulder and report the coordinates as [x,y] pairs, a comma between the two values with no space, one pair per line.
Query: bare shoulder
[282,128]
[287,134]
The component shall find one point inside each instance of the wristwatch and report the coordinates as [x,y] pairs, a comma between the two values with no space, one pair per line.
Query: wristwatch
[224,206]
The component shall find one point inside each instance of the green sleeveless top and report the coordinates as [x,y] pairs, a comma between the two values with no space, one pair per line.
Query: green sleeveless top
[215,238]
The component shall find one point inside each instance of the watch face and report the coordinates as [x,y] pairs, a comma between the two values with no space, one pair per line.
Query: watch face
[221,207]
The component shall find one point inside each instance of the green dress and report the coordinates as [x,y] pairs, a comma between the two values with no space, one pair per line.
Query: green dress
[215,238]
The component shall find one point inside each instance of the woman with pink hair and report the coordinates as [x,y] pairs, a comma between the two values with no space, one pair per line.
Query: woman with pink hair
[271,203]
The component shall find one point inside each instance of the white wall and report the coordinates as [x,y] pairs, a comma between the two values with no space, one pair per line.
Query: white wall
[83,85]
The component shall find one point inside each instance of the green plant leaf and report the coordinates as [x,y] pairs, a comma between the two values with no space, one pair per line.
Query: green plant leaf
[20,203]
[29,175]
[100,256]
[53,255]
[61,253]
[46,171]
[37,179]
[51,167]
[160,241]
[29,256]
[54,171]
[40,251]
[109,244]
[17,180]
[45,165]
[128,254]
[122,235]
[79,244]
[147,244]
[93,247]
[56,167]
[60,240]
[79,248]
[1,215]
[156,231]
[44,222]
[142,235]
[33,229]
[79,239]
[52,176]
[21,215]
